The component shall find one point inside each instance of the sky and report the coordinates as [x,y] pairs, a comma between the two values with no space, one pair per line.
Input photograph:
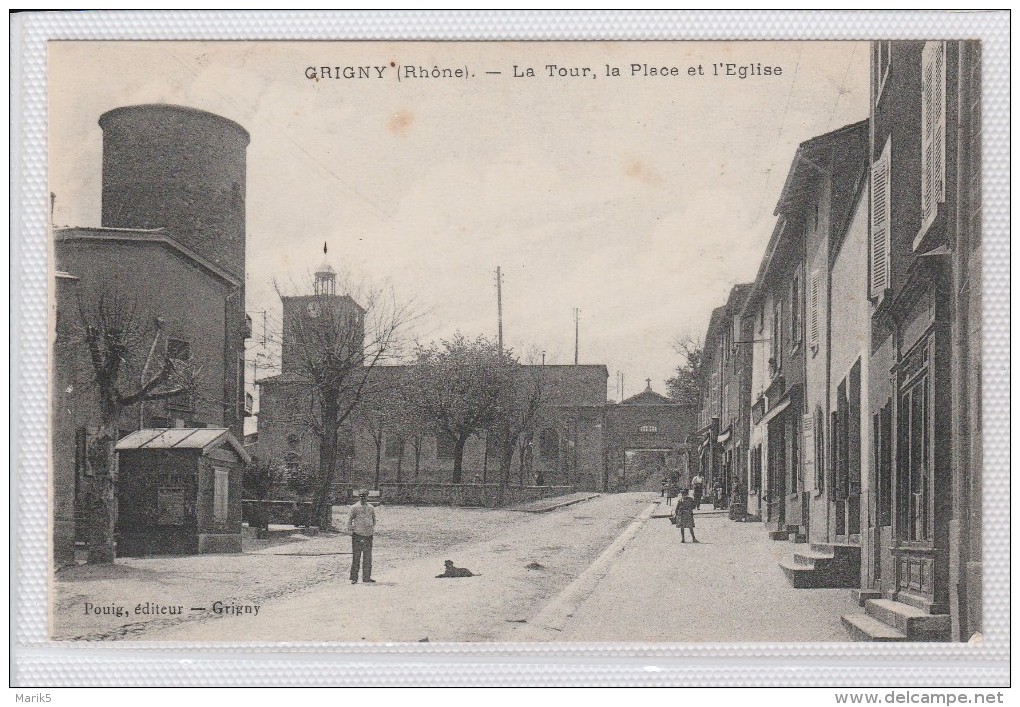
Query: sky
[640,199]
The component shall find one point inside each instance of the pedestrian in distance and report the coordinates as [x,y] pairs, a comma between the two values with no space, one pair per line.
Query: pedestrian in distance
[672,491]
[361,525]
[685,516]
[698,482]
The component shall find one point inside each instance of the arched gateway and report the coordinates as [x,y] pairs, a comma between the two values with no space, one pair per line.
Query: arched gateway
[648,435]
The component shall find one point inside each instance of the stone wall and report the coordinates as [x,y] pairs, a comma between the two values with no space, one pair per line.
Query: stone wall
[466,494]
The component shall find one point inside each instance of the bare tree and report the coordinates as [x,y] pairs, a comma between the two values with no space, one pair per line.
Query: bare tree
[459,385]
[127,369]
[521,407]
[685,384]
[333,342]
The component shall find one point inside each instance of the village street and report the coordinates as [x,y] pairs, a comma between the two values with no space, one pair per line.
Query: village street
[606,569]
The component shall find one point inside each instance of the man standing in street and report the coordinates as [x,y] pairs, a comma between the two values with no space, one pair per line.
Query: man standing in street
[361,524]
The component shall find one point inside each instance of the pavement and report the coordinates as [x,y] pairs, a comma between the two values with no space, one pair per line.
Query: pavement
[726,588]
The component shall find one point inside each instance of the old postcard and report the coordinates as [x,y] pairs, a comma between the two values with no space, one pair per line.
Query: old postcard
[415,342]
[408,342]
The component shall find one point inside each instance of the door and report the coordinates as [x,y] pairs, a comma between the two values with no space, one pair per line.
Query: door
[777,473]
[921,494]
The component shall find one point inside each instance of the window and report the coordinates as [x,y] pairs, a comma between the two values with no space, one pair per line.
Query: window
[291,469]
[761,319]
[933,131]
[819,443]
[239,390]
[293,440]
[814,304]
[755,480]
[796,320]
[879,275]
[914,445]
[883,463]
[648,429]
[221,496]
[444,446]
[776,362]
[808,429]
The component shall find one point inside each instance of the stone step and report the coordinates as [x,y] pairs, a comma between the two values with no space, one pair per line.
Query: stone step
[779,535]
[808,577]
[836,547]
[862,595]
[812,558]
[798,537]
[862,627]
[916,623]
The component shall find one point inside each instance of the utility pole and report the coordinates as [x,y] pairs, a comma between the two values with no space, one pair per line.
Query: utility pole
[499,304]
[577,333]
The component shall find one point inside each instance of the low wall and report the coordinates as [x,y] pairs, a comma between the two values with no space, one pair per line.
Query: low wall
[260,514]
[466,494]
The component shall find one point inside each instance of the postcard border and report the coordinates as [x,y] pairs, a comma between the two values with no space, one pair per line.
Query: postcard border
[37,661]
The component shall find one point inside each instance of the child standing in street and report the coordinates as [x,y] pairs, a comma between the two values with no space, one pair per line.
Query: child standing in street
[685,516]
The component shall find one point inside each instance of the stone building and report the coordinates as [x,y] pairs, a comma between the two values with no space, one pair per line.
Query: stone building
[921,567]
[170,252]
[726,373]
[817,204]
[775,306]
[649,433]
[865,422]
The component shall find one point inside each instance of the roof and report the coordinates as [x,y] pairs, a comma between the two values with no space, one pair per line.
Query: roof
[648,397]
[807,156]
[153,109]
[156,236]
[202,438]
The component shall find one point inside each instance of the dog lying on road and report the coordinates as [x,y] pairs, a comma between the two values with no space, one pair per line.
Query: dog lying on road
[452,571]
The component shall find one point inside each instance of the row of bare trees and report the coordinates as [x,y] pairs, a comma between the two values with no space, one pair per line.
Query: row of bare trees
[455,389]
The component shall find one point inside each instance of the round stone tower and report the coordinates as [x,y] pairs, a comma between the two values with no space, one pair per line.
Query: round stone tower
[180,169]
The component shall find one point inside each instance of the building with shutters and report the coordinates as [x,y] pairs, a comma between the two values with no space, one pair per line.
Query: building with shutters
[818,204]
[921,565]
[865,420]
[775,308]
[723,427]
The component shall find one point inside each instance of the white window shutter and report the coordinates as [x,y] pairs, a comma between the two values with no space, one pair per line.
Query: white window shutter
[880,214]
[927,128]
[939,128]
[809,443]
[813,296]
[933,129]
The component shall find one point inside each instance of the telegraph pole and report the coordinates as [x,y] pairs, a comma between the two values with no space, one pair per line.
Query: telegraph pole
[499,304]
[577,333]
